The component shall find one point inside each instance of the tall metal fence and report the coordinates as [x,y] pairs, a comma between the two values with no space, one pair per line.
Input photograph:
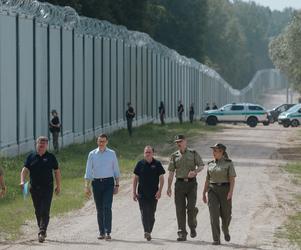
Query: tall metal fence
[86,69]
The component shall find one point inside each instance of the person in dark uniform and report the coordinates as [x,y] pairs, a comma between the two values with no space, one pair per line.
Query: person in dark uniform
[2,184]
[180,111]
[162,112]
[191,113]
[40,165]
[149,175]
[214,106]
[186,163]
[219,185]
[130,114]
[55,128]
[207,106]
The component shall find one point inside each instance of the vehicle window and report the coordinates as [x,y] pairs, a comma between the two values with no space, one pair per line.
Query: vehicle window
[295,108]
[237,107]
[283,108]
[227,107]
[255,108]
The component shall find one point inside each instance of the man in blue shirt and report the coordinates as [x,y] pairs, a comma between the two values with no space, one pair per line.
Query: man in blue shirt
[149,173]
[102,171]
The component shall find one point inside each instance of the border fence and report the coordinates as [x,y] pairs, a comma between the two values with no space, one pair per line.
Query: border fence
[87,69]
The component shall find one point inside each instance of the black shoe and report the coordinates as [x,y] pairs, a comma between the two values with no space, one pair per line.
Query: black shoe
[101,237]
[108,237]
[147,236]
[227,237]
[181,238]
[192,233]
[41,237]
[216,243]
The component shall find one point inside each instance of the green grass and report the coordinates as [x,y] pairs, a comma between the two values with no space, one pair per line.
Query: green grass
[293,224]
[15,210]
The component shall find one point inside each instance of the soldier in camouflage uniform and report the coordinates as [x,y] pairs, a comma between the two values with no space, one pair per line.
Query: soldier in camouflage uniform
[219,185]
[185,163]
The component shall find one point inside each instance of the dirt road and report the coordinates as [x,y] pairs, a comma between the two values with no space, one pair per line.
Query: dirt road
[260,204]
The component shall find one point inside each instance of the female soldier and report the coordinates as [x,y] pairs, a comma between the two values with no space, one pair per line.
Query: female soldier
[219,185]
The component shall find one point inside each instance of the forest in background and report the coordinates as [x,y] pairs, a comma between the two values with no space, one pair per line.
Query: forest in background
[231,37]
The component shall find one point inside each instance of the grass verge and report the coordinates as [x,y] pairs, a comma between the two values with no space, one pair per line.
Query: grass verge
[293,224]
[15,210]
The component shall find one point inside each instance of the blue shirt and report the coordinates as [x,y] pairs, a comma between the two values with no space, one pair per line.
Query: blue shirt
[102,164]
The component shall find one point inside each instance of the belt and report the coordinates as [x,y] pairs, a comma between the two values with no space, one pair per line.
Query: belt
[186,179]
[102,179]
[220,184]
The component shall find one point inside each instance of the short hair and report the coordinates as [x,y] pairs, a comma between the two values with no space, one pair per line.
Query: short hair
[103,136]
[149,146]
[42,139]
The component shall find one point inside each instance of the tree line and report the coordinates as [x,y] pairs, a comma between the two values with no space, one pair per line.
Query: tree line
[231,37]
[286,53]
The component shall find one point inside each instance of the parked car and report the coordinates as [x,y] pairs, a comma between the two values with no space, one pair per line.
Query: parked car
[248,113]
[275,112]
[291,117]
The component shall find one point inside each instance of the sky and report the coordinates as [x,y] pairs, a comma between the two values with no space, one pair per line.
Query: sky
[279,4]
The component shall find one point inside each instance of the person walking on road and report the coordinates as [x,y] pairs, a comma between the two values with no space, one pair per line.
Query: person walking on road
[130,114]
[2,183]
[55,128]
[219,186]
[149,176]
[185,163]
[40,165]
[180,111]
[102,172]
[162,112]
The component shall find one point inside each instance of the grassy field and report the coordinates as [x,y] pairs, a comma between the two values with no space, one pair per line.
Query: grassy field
[72,162]
[293,225]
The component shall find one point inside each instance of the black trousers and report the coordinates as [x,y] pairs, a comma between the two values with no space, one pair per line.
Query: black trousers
[130,126]
[148,208]
[41,198]
[55,138]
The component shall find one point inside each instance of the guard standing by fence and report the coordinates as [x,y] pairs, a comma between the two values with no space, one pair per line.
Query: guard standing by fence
[180,111]
[130,114]
[191,113]
[55,129]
